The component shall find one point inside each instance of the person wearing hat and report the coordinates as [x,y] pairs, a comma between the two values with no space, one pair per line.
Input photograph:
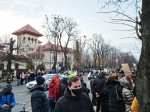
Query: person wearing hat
[7,99]
[39,100]
[9,78]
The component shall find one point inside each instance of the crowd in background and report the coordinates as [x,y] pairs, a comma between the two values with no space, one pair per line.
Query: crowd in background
[112,91]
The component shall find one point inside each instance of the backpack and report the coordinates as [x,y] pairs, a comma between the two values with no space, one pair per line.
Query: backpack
[11,95]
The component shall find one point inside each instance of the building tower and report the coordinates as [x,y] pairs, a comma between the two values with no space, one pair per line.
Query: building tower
[27,39]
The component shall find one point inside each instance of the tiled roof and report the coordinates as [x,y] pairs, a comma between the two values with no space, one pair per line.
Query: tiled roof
[39,41]
[50,46]
[27,29]
[2,46]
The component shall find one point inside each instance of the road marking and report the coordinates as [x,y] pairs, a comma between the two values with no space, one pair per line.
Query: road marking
[24,93]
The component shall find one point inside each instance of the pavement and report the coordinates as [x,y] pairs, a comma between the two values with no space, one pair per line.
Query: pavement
[3,84]
[23,95]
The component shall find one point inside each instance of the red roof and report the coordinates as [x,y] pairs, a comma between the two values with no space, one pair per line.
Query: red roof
[27,29]
[49,46]
[2,46]
[39,41]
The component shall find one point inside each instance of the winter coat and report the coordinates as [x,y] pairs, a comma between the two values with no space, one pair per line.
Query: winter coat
[135,105]
[32,75]
[57,80]
[112,104]
[98,84]
[5,99]
[9,77]
[91,83]
[127,94]
[63,85]
[18,76]
[39,101]
[52,91]
[68,103]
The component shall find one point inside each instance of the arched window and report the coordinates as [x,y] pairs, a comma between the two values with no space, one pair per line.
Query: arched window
[29,39]
[24,39]
[35,41]
[32,40]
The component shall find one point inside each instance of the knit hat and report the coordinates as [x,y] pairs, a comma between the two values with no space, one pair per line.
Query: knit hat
[40,80]
[113,75]
[8,87]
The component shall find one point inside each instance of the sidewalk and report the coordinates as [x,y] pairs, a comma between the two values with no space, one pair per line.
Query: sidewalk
[3,84]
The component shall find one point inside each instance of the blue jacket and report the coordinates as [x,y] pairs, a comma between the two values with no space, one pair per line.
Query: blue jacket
[5,99]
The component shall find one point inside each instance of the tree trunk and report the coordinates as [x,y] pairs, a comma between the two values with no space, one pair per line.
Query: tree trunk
[66,61]
[10,55]
[99,59]
[143,73]
[95,62]
[55,60]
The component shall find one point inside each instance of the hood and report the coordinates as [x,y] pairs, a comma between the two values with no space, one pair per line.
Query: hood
[100,76]
[112,84]
[37,87]
[68,95]
[64,80]
[124,83]
[51,85]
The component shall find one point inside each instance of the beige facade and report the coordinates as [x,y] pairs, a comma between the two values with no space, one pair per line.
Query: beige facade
[27,40]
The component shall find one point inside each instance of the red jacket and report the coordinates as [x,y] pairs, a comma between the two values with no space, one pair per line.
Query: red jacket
[52,91]
[57,80]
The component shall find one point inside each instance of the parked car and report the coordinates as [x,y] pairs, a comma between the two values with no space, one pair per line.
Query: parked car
[48,78]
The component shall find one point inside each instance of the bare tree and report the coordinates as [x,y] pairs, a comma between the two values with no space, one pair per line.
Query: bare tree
[79,47]
[9,53]
[71,32]
[36,58]
[63,30]
[142,77]
[54,29]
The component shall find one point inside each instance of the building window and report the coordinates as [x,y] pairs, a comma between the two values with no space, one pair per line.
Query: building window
[29,39]
[24,39]
[35,41]
[2,66]
[32,40]
[16,66]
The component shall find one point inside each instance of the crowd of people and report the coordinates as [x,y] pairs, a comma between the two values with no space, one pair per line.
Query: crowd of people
[112,91]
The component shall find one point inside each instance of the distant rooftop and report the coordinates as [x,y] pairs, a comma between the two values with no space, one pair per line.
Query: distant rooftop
[27,29]
[50,46]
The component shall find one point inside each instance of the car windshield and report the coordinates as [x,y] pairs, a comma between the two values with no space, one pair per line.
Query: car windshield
[48,76]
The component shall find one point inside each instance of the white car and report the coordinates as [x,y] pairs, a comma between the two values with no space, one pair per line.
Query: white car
[48,78]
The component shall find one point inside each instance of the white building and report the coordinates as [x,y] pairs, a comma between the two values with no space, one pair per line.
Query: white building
[27,39]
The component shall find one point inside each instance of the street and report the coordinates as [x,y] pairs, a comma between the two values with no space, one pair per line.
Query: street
[22,95]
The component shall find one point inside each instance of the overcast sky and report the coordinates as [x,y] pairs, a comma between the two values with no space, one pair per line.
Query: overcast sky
[15,14]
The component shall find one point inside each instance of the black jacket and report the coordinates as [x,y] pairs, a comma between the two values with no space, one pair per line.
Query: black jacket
[110,94]
[39,101]
[68,103]
[98,84]
[63,85]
